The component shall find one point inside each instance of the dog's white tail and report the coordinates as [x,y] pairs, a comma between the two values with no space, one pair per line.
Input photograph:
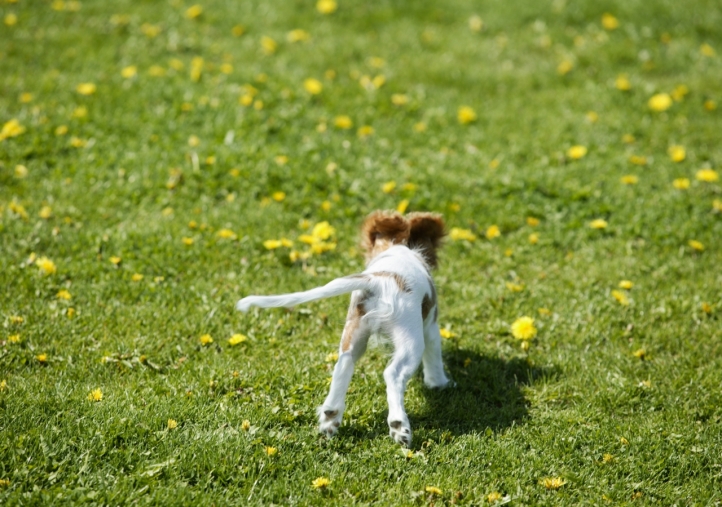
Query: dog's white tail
[335,287]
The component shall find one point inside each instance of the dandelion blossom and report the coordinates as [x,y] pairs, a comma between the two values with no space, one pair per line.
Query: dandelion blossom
[622,83]
[271,451]
[86,88]
[681,183]
[46,265]
[523,328]
[696,245]
[313,86]
[11,128]
[445,333]
[576,152]
[433,490]
[457,234]
[172,424]
[320,483]
[708,175]
[621,297]
[553,482]
[226,234]
[626,284]
[194,11]
[246,425]
[63,294]
[343,122]
[326,6]
[599,223]
[42,358]
[466,115]
[95,395]
[206,339]
[677,153]
[660,102]
[129,71]
[492,232]
[609,22]
[630,179]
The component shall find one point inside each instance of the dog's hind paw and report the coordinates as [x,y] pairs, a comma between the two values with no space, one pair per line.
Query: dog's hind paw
[244,304]
[329,420]
[400,432]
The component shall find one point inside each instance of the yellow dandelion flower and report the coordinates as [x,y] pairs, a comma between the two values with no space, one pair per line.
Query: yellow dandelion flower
[576,152]
[638,160]
[297,35]
[14,338]
[3,387]
[419,126]
[326,6]
[11,128]
[707,50]
[609,22]
[639,353]
[592,117]
[494,496]
[447,334]
[150,30]
[564,67]
[172,424]
[86,88]
[42,358]
[320,483]
[158,71]
[433,490]
[457,234]
[80,112]
[246,425]
[696,245]
[388,187]
[236,339]
[533,238]
[206,339]
[623,441]
[63,294]
[466,115]
[286,242]
[544,311]
[599,223]
[681,183]
[680,92]
[532,221]
[70,313]
[706,307]
[717,205]
[46,265]
[278,196]
[313,86]
[272,244]
[622,83]
[630,179]
[708,175]
[137,277]
[26,97]
[187,241]
[399,99]
[115,260]
[626,284]
[268,45]
[129,71]
[710,105]
[95,395]
[16,319]
[492,232]
[61,130]
[10,19]
[343,122]
[326,205]
[238,30]
[628,138]
[553,482]
[365,131]
[660,102]
[76,142]
[323,231]
[321,247]
[523,328]
[226,234]
[271,451]
[194,11]
[332,357]
[403,205]
[607,458]
[621,297]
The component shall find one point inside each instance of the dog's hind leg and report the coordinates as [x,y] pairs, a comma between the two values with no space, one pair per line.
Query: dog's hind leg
[408,343]
[434,375]
[355,337]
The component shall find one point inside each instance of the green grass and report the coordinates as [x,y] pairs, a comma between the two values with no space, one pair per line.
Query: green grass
[516,418]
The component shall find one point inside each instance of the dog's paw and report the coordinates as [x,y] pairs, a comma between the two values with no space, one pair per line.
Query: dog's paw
[400,431]
[244,304]
[446,383]
[329,420]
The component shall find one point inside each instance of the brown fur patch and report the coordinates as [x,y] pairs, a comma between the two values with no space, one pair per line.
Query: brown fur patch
[382,230]
[403,286]
[428,303]
[353,321]
[426,230]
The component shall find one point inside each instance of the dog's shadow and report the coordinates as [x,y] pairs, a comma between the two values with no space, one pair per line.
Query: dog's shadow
[488,395]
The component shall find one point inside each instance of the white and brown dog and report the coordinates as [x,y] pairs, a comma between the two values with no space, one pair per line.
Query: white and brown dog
[394,297]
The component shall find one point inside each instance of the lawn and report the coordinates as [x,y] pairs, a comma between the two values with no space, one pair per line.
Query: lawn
[160,159]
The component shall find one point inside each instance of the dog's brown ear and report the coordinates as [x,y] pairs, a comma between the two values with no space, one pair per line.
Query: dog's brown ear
[426,232]
[388,226]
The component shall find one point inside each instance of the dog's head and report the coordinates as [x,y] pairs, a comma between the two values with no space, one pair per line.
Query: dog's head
[421,231]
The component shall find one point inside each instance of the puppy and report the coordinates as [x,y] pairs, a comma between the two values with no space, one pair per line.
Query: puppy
[394,297]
